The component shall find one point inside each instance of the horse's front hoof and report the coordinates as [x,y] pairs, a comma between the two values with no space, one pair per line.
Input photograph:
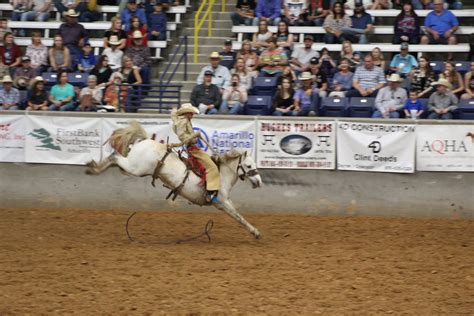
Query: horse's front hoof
[257,235]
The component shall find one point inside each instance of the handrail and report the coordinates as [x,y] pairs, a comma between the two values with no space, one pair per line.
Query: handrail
[223,6]
[183,41]
[198,24]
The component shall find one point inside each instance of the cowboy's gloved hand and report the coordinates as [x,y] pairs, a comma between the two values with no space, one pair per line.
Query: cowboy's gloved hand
[197,134]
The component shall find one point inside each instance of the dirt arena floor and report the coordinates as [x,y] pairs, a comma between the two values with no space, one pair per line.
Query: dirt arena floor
[64,262]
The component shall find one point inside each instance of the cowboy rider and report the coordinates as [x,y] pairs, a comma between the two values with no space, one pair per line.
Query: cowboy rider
[183,128]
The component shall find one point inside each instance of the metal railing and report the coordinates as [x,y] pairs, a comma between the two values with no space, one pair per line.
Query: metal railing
[198,22]
[183,58]
[160,97]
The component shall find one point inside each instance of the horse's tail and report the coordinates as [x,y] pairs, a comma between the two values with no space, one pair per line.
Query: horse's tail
[121,138]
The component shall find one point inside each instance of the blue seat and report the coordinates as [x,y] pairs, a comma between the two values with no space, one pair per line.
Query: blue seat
[466,109]
[438,66]
[50,78]
[265,86]
[77,79]
[333,107]
[258,105]
[462,66]
[361,107]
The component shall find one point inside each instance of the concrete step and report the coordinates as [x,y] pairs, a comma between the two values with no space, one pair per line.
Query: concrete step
[191,66]
[203,32]
[217,15]
[214,40]
[226,23]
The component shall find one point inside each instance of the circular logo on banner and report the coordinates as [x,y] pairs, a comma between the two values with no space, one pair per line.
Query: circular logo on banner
[200,143]
[296,145]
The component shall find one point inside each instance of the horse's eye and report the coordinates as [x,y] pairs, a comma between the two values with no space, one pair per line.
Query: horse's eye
[249,166]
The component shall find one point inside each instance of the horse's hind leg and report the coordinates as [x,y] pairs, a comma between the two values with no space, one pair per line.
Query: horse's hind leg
[229,208]
[101,166]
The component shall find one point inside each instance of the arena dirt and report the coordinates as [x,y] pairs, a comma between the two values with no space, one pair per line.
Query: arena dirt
[79,261]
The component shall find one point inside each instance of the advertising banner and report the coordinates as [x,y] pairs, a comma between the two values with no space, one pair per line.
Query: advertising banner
[63,140]
[376,147]
[12,138]
[445,148]
[296,145]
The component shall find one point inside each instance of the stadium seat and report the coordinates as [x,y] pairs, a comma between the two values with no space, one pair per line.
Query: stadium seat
[258,105]
[333,107]
[462,66]
[361,107]
[466,110]
[265,86]
[50,78]
[77,79]
[438,66]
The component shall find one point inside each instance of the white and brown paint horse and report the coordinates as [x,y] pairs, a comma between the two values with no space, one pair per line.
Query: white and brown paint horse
[139,156]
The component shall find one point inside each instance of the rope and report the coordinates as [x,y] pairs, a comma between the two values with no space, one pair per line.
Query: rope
[206,232]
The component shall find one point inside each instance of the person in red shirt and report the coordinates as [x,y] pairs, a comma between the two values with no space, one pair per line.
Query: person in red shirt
[136,26]
[10,53]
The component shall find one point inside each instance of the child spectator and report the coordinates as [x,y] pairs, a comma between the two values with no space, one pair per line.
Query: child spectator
[157,24]
[114,53]
[10,53]
[227,55]
[342,81]
[38,53]
[24,73]
[37,95]
[413,107]
[59,55]
[234,97]
[9,96]
[62,94]
[283,102]
[136,26]
[87,60]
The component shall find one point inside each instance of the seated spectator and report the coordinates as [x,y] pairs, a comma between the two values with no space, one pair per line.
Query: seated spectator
[378,59]
[37,95]
[413,107]
[38,53]
[469,84]
[319,81]
[454,78]
[429,5]
[443,102]
[352,4]
[368,79]
[20,7]
[149,6]
[62,94]
[334,24]
[114,53]
[4,29]
[114,91]
[268,10]
[220,74]
[87,10]
[74,36]
[260,38]
[102,71]
[63,6]
[440,26]
[206,96]
[289,74]
[390,99]
[130,11]
[284,38]
[283,102]
[9,96]
[234,97]
[244,76]
[380,5]
[87,60]
[141,56]
[306,101]
[24,74]
[59,55]
[90,96]
[422,77]
[362,25]
[295,11]
[403,63]
[245,12]
[136,26]
[250,58]
[317,12]
[39,11]
[227,55]
[342,81]
[272,60]
[301,56]
[326,63]
[130,73]
[157,24]
[116,29]
[407,26]
[10,53]
[348,53]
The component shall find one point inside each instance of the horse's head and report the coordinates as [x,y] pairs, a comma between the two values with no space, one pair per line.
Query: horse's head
[247,168]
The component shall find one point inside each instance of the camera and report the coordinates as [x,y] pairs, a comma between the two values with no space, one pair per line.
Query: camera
[234,84]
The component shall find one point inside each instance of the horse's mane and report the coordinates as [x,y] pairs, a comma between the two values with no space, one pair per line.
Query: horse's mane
[231,155]
[121,138]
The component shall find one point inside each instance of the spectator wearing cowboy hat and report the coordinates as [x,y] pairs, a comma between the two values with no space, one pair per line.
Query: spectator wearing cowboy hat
[221,75]
[74,35]
[37,95]
[140,55]
[390,99]
[306,98]
[114,53]
[9,96]
[206,96]
[24,73]
[443,102]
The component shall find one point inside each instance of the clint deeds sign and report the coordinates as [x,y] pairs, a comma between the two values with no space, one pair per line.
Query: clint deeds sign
[296,145]
[376,147]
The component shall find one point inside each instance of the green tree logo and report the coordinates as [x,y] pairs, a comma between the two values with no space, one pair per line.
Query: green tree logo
[45,138]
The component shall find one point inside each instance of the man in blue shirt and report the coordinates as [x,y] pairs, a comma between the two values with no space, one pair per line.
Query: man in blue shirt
[130,11]
[157,23]
[403,63]
[268,10]
[362,25]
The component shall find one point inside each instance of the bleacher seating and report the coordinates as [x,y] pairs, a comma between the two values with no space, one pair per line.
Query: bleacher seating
[466,110]
[258,105]
[265,86]
[361,107]
[333,107]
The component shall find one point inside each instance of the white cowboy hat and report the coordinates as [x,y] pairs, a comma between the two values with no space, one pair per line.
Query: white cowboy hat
[394,78]
[137,35]
[214,55]
[114,40]
[187,108]
[71,13]
[305,76]
[7,79]
[35,80]
[443,82]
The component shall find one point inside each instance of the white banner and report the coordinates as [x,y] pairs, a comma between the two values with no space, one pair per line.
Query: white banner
[445,148]
[376,147]
[296,145]
[63,140]
[12,138]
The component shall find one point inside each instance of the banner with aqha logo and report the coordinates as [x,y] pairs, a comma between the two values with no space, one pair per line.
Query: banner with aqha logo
[63,140]
[296,145]
[376,147]
[445,148]
[12,138]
